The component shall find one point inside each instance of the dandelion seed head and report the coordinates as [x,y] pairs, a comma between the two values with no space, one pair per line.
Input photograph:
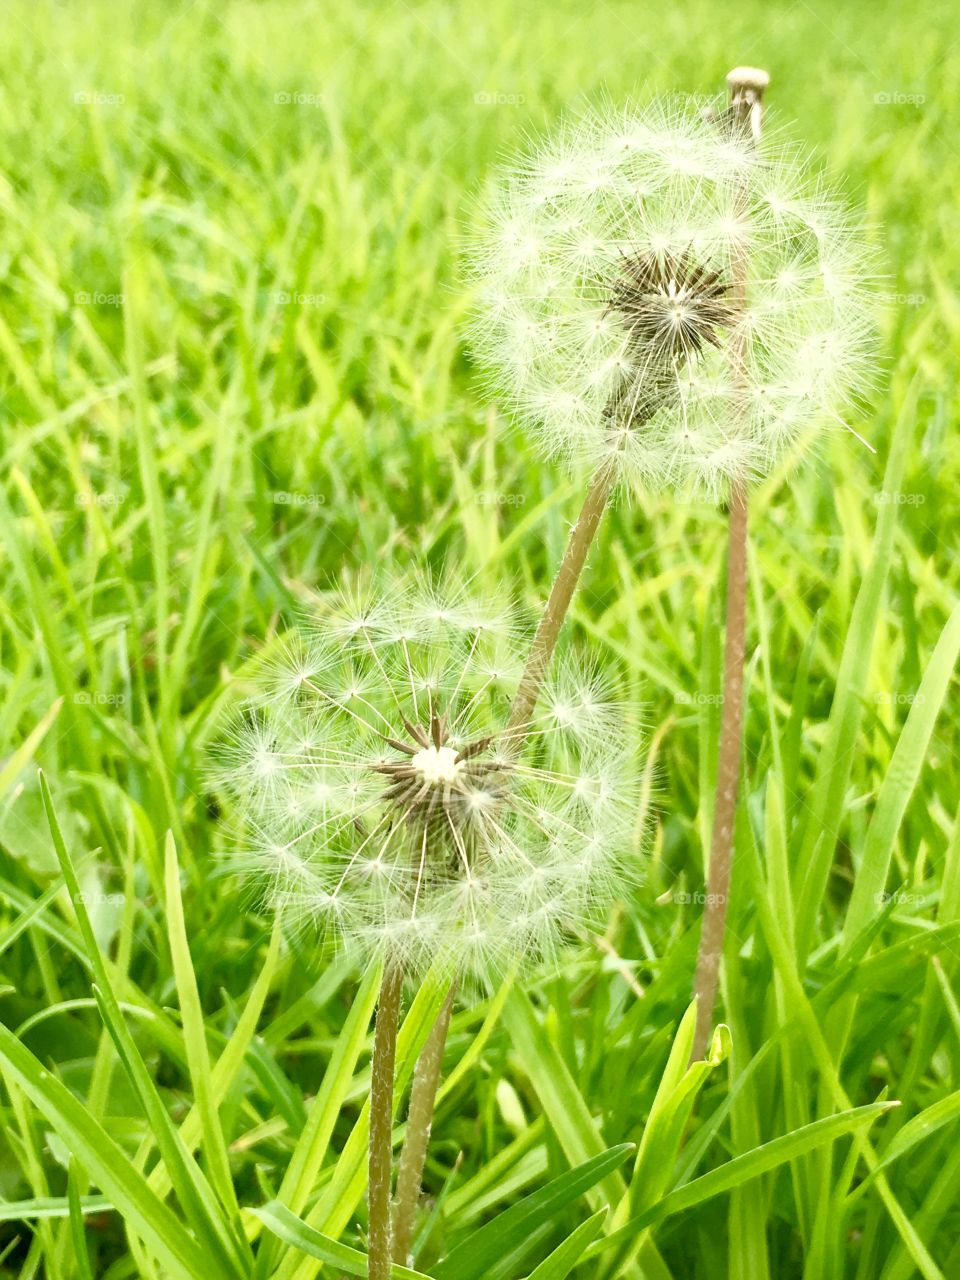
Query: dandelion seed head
[646,273]
[380,797]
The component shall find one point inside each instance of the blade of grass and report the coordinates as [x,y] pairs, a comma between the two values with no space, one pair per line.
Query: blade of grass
[565,1257]
[742,1168]
[122,1184]
[821,830]
[345,1189]
[134,309]
[564,1105]
[77,1231]
[195,1043]
[478,1255]
[230,1061]
[310,1152]
[293,1231]
[900,781]
[193,1191]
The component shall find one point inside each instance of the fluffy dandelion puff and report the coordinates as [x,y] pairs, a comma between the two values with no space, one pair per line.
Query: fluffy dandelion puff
[382,798]
[609,313]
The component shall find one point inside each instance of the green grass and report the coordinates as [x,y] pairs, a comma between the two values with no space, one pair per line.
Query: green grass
[232,370]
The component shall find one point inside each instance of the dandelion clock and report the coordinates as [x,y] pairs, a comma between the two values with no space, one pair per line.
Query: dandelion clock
[386,802]
[671,296]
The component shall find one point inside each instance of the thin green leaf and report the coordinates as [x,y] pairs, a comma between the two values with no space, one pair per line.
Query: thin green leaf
[123,1184]
[559,1096]
[293,1231]
[311,1149]
[77,1231]
[820,832]
[193,1191]
[900,780]
[195,1038]
[343,1193]
[566,1256]
[742,1168]
[49,1207]
[11,768]
[477,1256]
[230,1061]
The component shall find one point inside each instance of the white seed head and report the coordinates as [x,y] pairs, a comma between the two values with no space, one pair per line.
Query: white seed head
[659,290]
[380,797]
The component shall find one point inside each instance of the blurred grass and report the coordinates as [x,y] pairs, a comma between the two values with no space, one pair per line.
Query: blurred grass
[230,370]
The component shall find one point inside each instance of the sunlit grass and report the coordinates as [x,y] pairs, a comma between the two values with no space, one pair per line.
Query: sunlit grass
[231,364]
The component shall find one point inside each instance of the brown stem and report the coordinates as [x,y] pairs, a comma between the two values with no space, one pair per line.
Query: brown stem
[747,85]
[423,1095]
[548,632]
[728,776]
[381,1123]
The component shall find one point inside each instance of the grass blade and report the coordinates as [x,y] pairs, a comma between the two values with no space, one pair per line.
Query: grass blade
[742,1168]
[477,1256]
[123,1185]
[195,1040]
[900,780]
[193,1191]
[566,1256]
[77,1232]
[820,832]
[295,1232]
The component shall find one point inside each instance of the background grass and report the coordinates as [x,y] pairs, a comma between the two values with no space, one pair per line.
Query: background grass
[231,370]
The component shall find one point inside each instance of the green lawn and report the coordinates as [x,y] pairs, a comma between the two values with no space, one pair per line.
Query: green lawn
[233,369]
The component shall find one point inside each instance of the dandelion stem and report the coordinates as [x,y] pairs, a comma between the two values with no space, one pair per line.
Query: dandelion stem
[728,775]
[746,95]
[423,1096]
[381,1123]
[568,575]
